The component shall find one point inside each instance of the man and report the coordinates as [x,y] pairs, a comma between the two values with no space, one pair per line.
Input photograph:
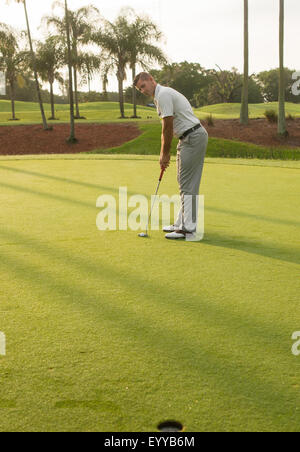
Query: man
[178,119]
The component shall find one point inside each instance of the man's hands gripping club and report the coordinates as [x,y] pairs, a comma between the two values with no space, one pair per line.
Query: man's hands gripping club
[166,141]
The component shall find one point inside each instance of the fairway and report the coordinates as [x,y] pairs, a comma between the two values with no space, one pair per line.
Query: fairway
[232,110]
[109,332]
[29,112]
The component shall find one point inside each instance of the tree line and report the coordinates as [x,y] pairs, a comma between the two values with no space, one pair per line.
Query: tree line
[201,86]
[213,86]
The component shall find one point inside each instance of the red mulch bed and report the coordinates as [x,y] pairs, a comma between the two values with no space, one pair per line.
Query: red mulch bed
[258,131]
[32,139]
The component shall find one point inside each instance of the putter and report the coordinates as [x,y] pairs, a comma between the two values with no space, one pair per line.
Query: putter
[145,234]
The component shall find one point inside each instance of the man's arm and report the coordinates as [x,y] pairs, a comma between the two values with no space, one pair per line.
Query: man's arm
[166,141]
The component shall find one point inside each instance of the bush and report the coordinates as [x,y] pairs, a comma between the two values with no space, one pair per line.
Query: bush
[271,115]
[209,120]
[290,117]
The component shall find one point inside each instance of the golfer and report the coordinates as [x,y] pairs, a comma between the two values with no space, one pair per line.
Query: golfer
[178,119]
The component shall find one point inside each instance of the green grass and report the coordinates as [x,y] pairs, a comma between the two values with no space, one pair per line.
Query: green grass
[232,111]
[29,112]
[109,332]
[148,143]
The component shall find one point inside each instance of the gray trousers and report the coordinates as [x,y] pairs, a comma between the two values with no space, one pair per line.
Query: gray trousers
[190,160]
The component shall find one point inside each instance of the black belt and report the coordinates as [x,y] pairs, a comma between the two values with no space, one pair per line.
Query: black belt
[187,132]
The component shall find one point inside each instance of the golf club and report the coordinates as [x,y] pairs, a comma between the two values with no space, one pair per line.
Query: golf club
[145,234]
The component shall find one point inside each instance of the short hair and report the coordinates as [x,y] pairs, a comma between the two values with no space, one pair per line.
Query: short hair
[141,76]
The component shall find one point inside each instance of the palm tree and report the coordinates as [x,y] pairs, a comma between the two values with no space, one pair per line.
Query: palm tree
[244,115]
[113,40]
[50,58]
[33,58]
[281,116]
[127,42]
[11,60]
[104,78]
[89,64]
[141,33]
[72,138]
[81,24]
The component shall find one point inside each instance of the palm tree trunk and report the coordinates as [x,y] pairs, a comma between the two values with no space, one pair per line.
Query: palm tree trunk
[45,125]
[244,116]
[52,101]
[281,116]
[104,87]
[134,92]
[77,116]
[12,98]
[72,138]
[121,93]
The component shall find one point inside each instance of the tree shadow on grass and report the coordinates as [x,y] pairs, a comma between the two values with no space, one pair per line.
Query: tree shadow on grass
[253,216]
[211,238]
[196,356]
[273,251]
[64,180]
[264,249]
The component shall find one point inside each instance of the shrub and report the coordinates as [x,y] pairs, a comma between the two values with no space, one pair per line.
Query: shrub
[271,115]
[290,117]
[209,120]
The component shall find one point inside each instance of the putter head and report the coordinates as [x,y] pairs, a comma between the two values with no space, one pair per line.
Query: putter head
[143,234]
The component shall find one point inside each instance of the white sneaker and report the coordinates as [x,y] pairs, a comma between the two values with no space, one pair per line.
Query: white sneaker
[175,235]
[171,228]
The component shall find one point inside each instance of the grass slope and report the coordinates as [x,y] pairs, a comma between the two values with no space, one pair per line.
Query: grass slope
[149,143]
[232,111]
[29,112]
[109,332]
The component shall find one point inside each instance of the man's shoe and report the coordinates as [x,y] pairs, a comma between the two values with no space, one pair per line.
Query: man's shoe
[176,235]
[171,228]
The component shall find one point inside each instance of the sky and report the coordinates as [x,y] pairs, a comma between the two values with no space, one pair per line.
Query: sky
[198,31]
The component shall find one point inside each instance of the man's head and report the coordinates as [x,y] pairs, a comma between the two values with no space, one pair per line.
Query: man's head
[145,83]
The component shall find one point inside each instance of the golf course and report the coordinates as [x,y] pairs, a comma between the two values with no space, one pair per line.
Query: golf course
[106,331]
[149,220]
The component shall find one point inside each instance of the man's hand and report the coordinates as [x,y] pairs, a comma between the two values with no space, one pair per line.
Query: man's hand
[164,160]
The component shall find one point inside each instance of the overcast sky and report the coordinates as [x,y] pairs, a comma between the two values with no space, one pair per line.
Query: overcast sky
[206,32]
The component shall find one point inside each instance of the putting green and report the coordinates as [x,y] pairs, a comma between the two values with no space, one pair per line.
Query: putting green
[106,331]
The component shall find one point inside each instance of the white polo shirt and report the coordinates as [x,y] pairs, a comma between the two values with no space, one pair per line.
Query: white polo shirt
[170,102]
